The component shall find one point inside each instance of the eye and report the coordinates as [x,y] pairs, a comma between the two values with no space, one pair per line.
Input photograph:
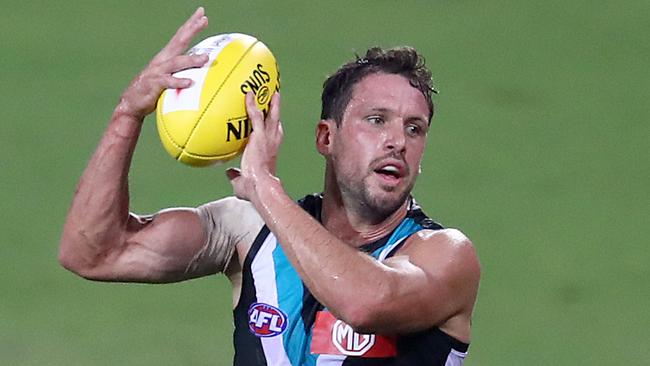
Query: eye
[414,129]
[375,120]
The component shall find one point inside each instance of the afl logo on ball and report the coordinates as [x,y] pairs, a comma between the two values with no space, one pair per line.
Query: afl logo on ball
[265,320]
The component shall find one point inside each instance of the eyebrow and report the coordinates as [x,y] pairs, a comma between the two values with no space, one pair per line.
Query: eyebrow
[380,109]
[417,119]
[410,119]
[390,111]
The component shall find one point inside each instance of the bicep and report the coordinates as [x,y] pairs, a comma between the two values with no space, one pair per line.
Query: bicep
[179,243]
[156,248]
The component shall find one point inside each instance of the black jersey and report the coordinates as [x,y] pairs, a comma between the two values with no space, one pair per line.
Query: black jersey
[279,322]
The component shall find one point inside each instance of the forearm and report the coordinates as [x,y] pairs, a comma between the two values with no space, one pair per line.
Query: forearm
[334,271]
[100,239]
[98,216]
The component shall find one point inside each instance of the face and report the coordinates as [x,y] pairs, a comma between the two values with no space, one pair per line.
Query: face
[376,150]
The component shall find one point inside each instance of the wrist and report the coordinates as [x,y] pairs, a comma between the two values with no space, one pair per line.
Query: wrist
[268,189]
[124,123]
[124,109]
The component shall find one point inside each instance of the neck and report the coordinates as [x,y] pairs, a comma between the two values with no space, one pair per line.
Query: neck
[348,222]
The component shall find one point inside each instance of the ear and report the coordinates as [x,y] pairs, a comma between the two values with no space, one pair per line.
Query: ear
[324,130]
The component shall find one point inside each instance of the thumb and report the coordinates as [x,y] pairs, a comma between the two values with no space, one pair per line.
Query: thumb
[233,173]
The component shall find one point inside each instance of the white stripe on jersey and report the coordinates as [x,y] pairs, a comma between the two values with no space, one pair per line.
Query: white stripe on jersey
[455,358]
[263,270]
[330,360]
[384,252]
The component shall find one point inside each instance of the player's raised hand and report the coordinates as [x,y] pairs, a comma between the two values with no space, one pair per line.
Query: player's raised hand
[140,98]
[260,155]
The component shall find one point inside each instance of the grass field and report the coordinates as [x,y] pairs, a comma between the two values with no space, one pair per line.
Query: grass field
[539,152]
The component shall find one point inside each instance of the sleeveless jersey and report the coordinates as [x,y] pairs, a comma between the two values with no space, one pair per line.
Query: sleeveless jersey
[278,322]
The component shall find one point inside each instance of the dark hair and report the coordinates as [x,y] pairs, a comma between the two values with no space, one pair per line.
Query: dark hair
[405,61]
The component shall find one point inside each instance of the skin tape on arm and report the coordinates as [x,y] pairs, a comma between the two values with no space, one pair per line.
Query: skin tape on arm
[226,223]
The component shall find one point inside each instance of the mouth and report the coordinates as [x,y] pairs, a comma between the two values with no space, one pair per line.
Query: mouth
[391,173]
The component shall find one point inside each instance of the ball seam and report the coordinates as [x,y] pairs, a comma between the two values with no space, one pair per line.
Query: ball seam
[207,106]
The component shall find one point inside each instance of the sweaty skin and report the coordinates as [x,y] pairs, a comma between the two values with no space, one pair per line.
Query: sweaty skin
[435,275]
[101,240]
[384,128]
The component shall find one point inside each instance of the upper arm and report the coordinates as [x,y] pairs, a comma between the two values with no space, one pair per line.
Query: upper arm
[434,277]
[176,244]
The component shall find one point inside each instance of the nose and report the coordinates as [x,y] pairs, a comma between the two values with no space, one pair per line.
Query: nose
[395,139]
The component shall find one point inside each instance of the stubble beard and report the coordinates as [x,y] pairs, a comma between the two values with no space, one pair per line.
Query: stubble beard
[377,206]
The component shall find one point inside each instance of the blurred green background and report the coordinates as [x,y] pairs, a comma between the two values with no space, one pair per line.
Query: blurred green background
[539,152]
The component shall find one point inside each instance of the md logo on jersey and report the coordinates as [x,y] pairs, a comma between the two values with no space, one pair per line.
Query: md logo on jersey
[331,336]
[265,320]
[349,342]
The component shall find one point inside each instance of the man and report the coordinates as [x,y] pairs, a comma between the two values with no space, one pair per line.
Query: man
[357,275]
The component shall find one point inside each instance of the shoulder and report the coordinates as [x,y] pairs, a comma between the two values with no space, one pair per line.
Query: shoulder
[232,216]
[229,206]
[446,262]
[447,252]
[450,238]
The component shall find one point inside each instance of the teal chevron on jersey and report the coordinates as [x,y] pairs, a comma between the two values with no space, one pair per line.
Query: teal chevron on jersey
[407,227]
[269,278]
[290,296]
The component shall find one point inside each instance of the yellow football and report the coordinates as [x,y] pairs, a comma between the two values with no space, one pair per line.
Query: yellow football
[207,122]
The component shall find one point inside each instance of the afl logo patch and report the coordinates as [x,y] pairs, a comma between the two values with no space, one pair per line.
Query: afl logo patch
[265,320]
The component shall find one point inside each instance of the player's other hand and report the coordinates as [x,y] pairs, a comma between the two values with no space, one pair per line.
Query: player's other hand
[260,156]
[140,98]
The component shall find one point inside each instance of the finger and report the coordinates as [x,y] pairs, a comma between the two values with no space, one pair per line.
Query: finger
[274,112]
[280,131]
[233,173]
[183,36]
[183,62]
[170,82]
[181,40]
[256,116]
